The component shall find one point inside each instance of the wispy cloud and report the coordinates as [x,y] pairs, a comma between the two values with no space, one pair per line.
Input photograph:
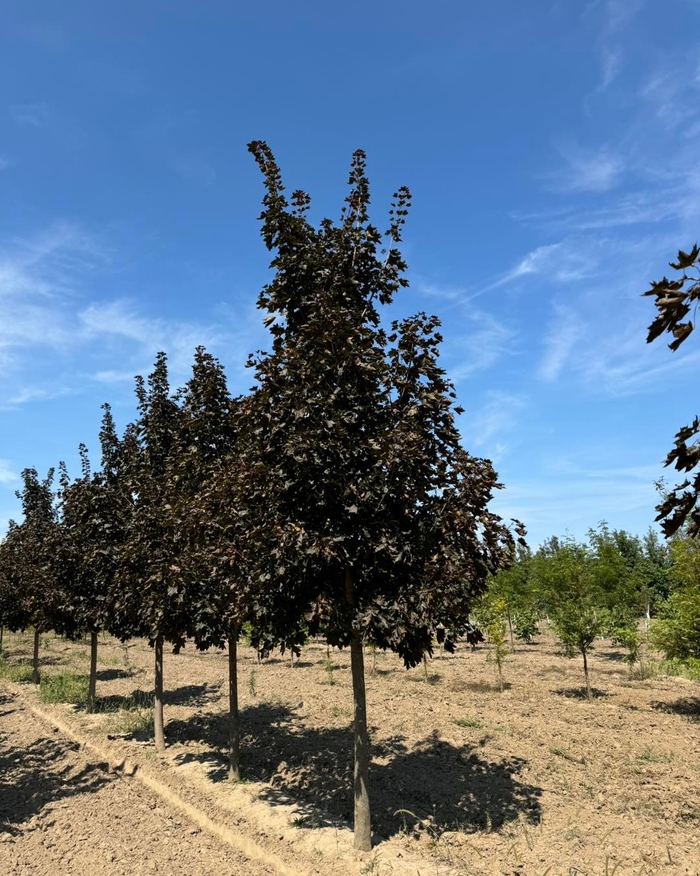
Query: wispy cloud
[563,333]
[30,115]
[616,14]
[33,394]
[121,319]
[48,328]
[38,277]
[5,162]
[610,66]
[488,427]
[485,341]
[567,261]
[8,475]
[551,504]
[587,170]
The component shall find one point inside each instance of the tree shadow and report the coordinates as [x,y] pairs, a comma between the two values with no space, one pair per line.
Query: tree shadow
[434,785]
[137,699]
[193,694]
[196,695]
[112,674]
[615,656]
[688,707]
[580,693]
[40,773]
[459,685]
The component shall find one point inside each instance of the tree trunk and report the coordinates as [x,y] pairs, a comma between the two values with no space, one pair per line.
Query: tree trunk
[425,667]
[2,630]
[158,697]
[363,830]
[589,692]
[35,659]
[234,760]
[510,630]
[93,672]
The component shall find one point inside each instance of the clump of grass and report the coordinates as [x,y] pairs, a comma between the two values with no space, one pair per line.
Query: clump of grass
[468,722]
[66,687]
[644,670]
[648,754]
[128,715]
[17,672]
[131,721]
[689,668]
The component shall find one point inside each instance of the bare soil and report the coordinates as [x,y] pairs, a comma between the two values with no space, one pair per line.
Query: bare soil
[464,779]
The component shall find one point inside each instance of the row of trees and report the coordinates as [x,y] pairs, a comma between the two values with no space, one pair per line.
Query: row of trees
[334,499]
[603,586]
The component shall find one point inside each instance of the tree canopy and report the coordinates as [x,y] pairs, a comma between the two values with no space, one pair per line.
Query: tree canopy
[674,300]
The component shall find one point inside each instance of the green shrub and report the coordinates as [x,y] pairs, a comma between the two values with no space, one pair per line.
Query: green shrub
[66,687]
[676,631]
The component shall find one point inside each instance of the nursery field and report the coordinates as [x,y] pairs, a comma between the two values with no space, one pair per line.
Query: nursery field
[465,779]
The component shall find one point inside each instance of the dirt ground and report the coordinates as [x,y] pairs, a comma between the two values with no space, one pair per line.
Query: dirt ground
[465,780]
[61,813]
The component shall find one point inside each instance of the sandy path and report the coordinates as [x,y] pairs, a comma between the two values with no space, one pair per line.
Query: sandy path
[61,813]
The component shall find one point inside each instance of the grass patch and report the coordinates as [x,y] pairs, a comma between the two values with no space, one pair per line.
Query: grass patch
[651,756]
[17,672]
[66,687]
[689,668]
[129,715]
[468,722]
[131,721]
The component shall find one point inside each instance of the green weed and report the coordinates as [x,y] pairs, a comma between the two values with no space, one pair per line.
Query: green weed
[475,723]
[17,672]
[66,687]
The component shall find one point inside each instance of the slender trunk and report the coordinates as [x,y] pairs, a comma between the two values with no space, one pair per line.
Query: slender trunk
[35,659]
[425,667]
[93,672]
[158,697]
[2,630]
[234,758]
[647,617]
[589,692]
[363,830]
[510,630]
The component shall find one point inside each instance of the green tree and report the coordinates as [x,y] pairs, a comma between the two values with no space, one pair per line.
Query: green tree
[676,631]
[370,517]
[513,586]
[566,574]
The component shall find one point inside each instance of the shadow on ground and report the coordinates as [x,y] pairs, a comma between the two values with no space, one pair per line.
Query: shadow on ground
[579,693]
[39,773]
[197,695]
[112,674]
[439,786]
[688,707]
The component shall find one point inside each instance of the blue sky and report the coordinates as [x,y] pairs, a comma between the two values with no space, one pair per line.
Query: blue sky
[551,148]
